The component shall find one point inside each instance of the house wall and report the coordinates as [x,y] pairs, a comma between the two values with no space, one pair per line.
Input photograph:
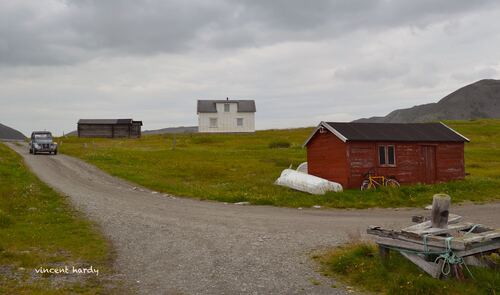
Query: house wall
[226,121]
[135,130]
[327,158]
[107,130]
[90,130]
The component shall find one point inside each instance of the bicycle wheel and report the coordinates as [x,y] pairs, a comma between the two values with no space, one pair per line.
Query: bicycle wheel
[365,185]
[391,182]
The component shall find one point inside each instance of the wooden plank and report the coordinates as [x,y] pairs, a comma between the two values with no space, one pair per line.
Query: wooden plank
[452,218]
[433,269]
[409,245]
[480,248]
[481,237]
[451,228]
[430,240]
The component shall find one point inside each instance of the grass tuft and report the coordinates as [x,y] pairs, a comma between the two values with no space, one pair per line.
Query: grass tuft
[360,265]
[279,144]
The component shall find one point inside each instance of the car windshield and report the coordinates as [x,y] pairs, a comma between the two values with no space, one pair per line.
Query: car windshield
[43,136]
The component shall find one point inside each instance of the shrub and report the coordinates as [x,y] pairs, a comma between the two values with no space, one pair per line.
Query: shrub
[279,144]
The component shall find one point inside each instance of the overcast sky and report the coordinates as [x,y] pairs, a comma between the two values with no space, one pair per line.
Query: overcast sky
[302,61]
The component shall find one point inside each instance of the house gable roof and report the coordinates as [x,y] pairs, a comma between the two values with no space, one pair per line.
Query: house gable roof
[410,132]
[209,106]
[106,121]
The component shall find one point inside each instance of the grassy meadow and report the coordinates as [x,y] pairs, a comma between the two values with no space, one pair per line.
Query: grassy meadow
[243,167]
[39,229]
[360,265]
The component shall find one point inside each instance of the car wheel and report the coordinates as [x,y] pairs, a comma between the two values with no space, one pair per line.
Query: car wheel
[34,152]
[55,152]
[31,151]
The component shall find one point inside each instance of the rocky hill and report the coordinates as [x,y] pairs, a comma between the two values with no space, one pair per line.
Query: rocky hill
[9,133]
[477,100]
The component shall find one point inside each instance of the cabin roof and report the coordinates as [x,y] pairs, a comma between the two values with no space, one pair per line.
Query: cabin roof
[209,106]
[108,121]
[410,132]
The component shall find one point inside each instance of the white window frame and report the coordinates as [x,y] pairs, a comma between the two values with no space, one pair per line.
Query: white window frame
[227,108]
[386,152]
[238,120]
[213,122]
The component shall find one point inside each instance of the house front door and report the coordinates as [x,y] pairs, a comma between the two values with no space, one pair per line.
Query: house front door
[429,163]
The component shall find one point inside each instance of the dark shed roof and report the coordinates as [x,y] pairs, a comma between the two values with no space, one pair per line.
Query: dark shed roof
[209,106]
[105,121]
[416,132]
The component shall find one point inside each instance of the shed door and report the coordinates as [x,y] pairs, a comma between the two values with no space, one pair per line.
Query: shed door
[429,163]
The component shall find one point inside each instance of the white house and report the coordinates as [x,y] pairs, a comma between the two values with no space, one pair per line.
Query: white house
[226,116]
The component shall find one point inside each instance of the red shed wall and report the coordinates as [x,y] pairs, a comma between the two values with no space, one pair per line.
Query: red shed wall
[327,158]
[447,162]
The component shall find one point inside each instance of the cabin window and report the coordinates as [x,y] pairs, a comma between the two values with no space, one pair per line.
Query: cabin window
[391,159]
[239,122]
[213,122]
[386,155]
[227,107]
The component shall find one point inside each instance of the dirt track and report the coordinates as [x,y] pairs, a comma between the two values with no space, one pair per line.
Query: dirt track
[169,245]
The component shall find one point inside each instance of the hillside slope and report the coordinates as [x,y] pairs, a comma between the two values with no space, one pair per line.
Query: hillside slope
[477,100]
[173,130]
[9,133]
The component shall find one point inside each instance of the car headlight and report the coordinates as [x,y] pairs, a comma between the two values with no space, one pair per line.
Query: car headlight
[36,145]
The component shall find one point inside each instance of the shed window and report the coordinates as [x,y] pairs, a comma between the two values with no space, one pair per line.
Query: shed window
[386,155]
[239,122]
[381,155]
[213,122]
[227,107]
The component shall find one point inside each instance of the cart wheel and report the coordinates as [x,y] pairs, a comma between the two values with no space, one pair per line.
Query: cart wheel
[391,182]
[365,185]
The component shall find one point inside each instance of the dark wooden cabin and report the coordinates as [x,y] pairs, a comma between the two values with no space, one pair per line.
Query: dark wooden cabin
[413,153]
[109,128]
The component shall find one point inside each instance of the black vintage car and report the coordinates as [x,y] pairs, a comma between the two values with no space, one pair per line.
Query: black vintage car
[41,142]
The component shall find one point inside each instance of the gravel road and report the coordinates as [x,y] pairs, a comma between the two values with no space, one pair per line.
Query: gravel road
[168,245]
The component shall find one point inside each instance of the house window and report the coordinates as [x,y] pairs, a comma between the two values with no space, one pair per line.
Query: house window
[239,122]
[227,107]
[213,122]
[387,155]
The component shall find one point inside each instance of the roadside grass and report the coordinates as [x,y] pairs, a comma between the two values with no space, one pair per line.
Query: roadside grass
[359,265]
[243,167]
[38,228]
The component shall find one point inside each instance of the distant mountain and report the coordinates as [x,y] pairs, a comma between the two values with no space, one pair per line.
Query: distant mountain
[173,130]
[477,100]
[9,133]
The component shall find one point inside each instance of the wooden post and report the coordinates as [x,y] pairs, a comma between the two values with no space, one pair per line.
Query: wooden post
[440,210]
[383,252]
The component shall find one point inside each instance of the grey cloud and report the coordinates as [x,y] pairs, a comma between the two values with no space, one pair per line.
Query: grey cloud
[372,71]
[35,33]
[477,74]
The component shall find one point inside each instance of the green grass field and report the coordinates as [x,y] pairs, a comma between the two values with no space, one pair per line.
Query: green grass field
[359,265]
[39,229]
[243,167]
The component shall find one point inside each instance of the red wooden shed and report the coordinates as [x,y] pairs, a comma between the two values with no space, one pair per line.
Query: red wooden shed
[413,153]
